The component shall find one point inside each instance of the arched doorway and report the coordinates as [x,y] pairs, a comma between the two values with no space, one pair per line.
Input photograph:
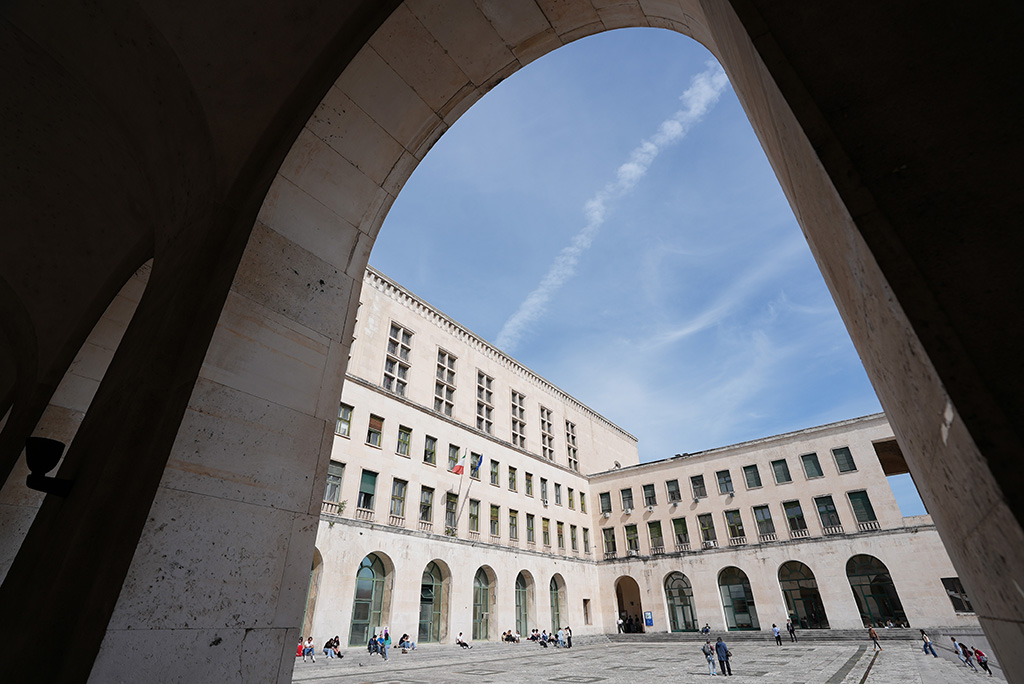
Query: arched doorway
[631,609]
[803,601]
[433,625]
[483,598]
[679,596]
[874,591]
[737,600]
[314,589]
[370,604]
[556,590]
[524,602]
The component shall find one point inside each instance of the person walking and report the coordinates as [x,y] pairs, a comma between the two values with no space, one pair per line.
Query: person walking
[620,623]
[777,634]
[959,653]
[791,629]
[723,653]
[968,655]
[568,637]
[982,660]
[709,654]
[874,637]
[561,638]
[927,644]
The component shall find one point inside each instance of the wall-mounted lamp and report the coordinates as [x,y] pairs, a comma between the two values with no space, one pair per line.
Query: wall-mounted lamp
[42,456]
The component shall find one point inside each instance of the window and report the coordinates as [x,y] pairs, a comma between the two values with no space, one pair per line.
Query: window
[367,487]
[453,456]
[649,497]
[734,522]
[494,472]
[827,511]
[811,466]
[404,440]
[795,516]
[474,515]
[528,481]
[724,482]
[474,465]
[547,436]
[573,544]
[518,420]
[654,530]
[586,540]
[495,520]
[627,498]
[398,497]
[344,425]
[335,471]
[426,504]
[674,494]
[374,431]
[530,538]
[484,402]
[752,475]
[957,595]
[572,497]
[605,499]
[444,387]
[451,507]
[583,502]
[558,494]
[781,470]
[862,507]
[513,479]
[609,541]
[844,459]
[544,490]
[396,362]
[513,524]
[545,531]
[570,446]
[632,539]
[707,527]
[679,529]
[699,490]
[430,450]
[560,534]
[763,516]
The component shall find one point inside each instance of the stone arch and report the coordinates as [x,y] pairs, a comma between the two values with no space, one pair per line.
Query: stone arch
[315,574]
[485,599]
[629,603]
[737,600]
[875,592]
[371,600]
[526,602]
[558,602]
[803,600]
[435,599]
[679,603]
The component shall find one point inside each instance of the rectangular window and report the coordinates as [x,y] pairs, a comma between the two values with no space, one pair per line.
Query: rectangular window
[697,484]
[570,446]
[586,608]
[609,541]
[518,420]
[528,481]
[453,456]
[763,516]
[398,497]
[583,502]
[632,539]
[558,494]
[627,498]
[396,362]
[957,594]
[495,520]
[451,508]
[426,504]
[494,472]
[844,459]
[734,522]
[513,479]
[545,531]
[752,475]
[544,490]
[475,460]
[707,527]
[795,516]
[654,530]
[572,497]
[547,435]
[529,529]
[513,524]
[586,540]
[560,534]
[827,511]
[674,494]
[679,529]
[335,471]
[404,441]
[367,488]
[781,470]
[474,515]
[344,425]
[606,502]
[862,508]
[374,431]
[724,482]
[650,499]
[812,468]
[484,402]
[444,387]
[573,544]
[430,450]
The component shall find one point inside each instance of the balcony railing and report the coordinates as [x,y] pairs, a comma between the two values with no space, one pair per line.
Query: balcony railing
[396,520]
[768,537]
[495,538]
[799,534]
[474,536]
[833,530]
[868,526]
[657,550]
[609,555]
[531,542]
[451,531]
[737,541]
[330,507]
[682,546]
[364,514]
[513,541]
[426,526]
[710,544]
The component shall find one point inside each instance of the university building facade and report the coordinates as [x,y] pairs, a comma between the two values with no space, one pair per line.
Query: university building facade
[466,494]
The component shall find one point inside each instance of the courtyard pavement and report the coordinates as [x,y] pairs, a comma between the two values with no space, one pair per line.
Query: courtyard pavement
[753,663]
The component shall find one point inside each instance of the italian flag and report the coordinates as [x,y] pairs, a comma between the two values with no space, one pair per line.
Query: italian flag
[461,465]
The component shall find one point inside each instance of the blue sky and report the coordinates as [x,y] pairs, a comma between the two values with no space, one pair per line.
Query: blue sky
[607,216]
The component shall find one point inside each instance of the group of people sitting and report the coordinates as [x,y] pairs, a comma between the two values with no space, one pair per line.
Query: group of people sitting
[510,637]
[563,639]
[332,649]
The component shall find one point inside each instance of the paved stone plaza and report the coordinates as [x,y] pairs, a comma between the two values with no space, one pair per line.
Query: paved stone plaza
[813,663]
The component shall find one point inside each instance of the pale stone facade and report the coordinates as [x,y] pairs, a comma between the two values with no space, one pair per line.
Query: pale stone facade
[424,395]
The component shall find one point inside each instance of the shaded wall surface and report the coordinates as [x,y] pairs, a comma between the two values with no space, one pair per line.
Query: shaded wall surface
[143,130]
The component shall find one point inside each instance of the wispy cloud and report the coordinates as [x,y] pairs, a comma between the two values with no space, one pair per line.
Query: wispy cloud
[704,91]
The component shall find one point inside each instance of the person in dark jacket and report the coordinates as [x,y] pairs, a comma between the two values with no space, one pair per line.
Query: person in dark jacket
[723,653]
